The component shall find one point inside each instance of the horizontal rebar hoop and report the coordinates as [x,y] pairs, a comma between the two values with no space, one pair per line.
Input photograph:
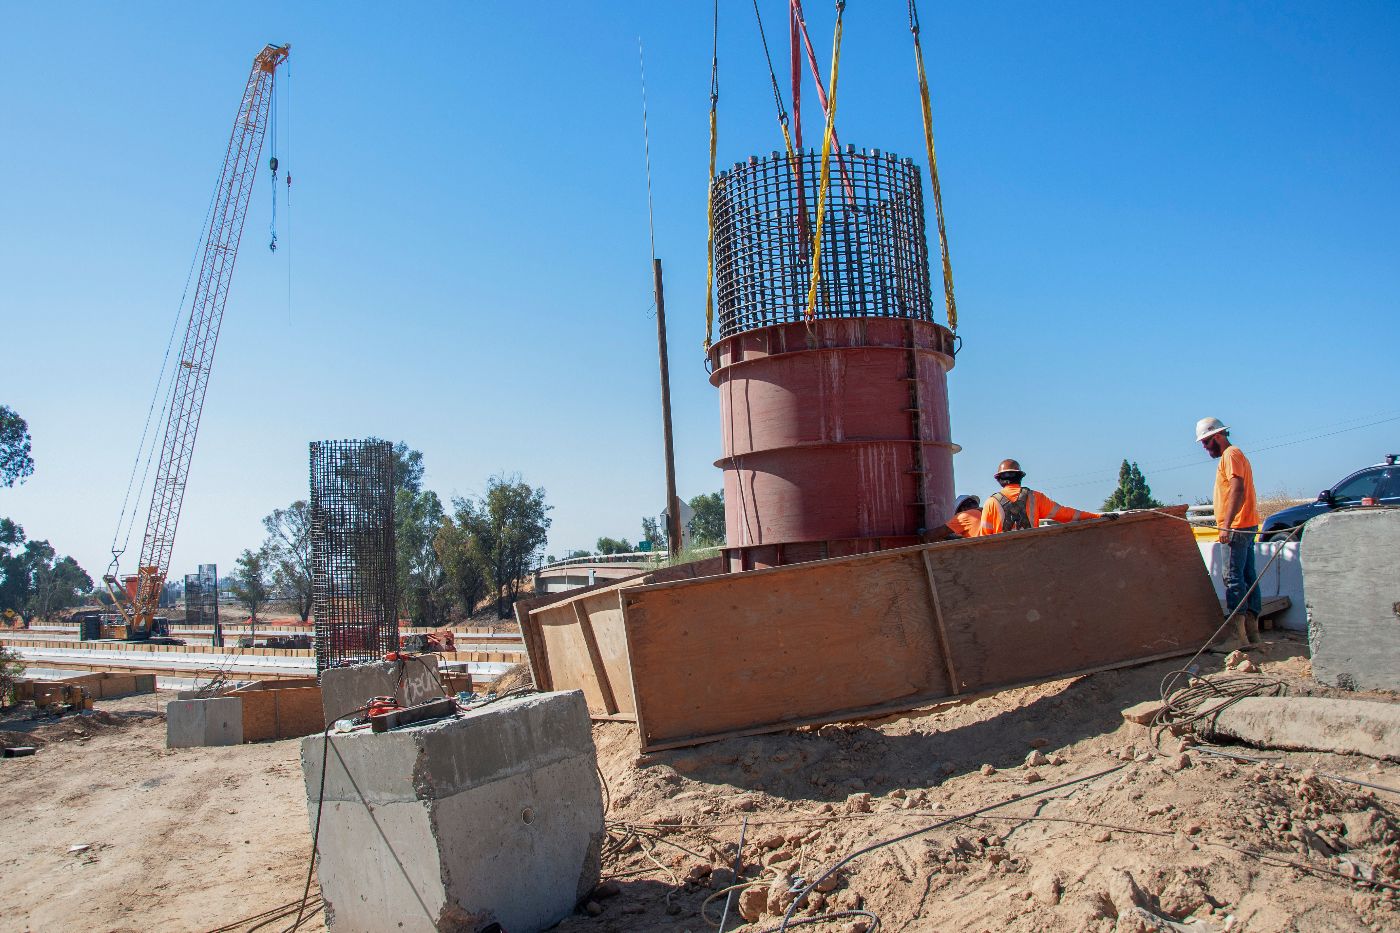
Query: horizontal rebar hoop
[354,587]
[874,260]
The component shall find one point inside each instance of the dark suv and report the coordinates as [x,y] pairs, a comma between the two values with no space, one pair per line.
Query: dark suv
[1373,485]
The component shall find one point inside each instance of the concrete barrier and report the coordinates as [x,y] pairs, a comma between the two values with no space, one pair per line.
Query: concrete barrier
[1350,561]
[197,723]
[492,817]
[345,690]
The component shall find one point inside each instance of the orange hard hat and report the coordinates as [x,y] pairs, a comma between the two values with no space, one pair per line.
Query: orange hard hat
[1008,467]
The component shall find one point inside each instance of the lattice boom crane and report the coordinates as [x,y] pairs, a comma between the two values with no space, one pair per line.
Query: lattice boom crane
[139,595]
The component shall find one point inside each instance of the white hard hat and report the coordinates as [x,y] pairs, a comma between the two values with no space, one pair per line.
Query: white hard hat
[1208,426]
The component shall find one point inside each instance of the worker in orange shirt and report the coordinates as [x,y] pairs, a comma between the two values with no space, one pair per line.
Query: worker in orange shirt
[965,523]
[1237,520]
[1017,507]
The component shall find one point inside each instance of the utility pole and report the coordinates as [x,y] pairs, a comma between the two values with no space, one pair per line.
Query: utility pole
[673,505]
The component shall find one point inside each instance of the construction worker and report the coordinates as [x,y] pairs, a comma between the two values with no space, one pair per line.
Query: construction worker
[965,523]
[1237,521]
[1016,507]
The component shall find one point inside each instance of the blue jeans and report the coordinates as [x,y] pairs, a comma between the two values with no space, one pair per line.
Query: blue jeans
[1239,570]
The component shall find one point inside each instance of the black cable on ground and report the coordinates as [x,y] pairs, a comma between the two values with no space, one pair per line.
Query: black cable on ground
[738,867]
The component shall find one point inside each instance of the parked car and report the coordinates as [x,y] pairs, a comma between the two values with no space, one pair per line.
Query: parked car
[1373,485]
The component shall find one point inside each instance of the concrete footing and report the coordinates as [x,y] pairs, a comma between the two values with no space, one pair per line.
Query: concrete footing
[1353,597]
[492,817]
[344,690]
[1316,724]
[195,723]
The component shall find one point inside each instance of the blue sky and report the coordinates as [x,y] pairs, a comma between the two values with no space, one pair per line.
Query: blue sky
[1156,213]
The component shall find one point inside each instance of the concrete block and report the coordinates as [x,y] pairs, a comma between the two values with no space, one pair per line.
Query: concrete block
[1319,724]
[196,723]
[346,689]
[1353,598]
[492,817]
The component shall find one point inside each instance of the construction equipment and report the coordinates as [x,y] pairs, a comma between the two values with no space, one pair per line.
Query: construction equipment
[138,595]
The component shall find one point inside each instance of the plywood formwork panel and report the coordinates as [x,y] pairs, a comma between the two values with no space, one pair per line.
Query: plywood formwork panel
[824,641]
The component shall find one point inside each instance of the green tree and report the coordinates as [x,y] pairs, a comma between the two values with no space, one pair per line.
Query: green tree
[459,551]
[34,580]
[511,526]
[614,546]
[250,583]
[577,552]
[707,527]
[654,530]
[16,463]
[288,550]
[57,585]
[423,594]
[1132,492]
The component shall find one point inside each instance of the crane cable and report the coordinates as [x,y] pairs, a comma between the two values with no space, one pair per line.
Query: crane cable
[777,93]
[823,188]
[710,199]
[933,172]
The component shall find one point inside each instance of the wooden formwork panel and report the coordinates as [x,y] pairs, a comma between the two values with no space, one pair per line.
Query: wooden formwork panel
[575,640]
[271,711]
[771,649]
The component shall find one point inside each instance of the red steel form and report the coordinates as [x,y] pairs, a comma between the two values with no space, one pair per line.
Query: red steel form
[191,377]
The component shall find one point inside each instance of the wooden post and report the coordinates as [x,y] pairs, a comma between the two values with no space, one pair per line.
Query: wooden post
[673,506]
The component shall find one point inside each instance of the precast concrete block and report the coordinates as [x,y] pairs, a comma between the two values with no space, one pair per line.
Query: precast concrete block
[345,690]
[196,723]
[1353,597]
[495,816]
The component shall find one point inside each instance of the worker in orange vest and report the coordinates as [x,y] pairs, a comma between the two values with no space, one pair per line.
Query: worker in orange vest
[1017,507]
[1237,520]
[965,523]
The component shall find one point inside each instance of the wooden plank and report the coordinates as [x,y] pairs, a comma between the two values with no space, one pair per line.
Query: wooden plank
[590,639]
[828,640]
[954,684]
[771,646]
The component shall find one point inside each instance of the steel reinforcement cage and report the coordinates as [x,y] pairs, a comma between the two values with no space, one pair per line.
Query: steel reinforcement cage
[874,257]
[202,596]
[354,586]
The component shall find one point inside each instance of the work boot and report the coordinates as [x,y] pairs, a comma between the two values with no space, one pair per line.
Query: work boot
[1251,627]
[1226,644]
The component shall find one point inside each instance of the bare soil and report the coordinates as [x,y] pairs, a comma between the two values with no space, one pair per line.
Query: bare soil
[194,839]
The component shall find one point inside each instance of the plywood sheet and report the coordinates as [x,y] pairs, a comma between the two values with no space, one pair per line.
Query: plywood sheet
[823,641]
[770,647]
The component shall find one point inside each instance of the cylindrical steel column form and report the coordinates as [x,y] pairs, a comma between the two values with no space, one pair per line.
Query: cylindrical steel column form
[354,584]
[836,432]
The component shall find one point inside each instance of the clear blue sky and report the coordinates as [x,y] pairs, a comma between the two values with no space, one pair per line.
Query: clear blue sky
[1156,213]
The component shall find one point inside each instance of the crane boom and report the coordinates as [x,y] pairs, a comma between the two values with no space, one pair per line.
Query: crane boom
[141,596]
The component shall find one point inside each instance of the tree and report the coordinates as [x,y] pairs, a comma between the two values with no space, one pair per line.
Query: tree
[249,583]
[707,526]
[423,594]
[459,551]
[614,546]
[16,463]
[288,549]
[34,580]
[1132,491]
[511,526]
[654,530]
[408,467]
[577,552]
[59,585]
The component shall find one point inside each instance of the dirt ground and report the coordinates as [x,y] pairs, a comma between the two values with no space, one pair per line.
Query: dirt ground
[194,839]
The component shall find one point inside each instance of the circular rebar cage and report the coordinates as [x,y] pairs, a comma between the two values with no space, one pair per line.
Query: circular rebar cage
[874,256]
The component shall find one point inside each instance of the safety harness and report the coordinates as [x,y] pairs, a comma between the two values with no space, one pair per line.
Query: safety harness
[1014,514]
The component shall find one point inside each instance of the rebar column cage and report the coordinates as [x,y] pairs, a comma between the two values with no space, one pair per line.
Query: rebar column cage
[202,596]
[354,587]
[874,258]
